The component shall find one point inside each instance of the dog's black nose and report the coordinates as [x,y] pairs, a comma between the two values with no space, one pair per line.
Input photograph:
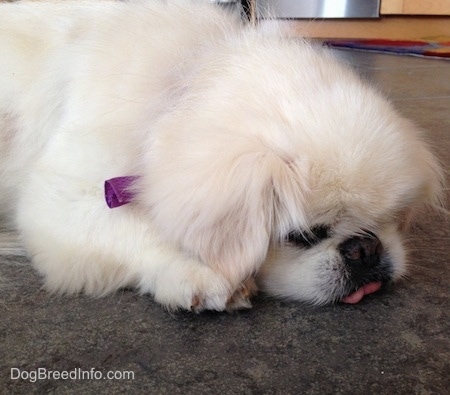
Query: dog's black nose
[361,252]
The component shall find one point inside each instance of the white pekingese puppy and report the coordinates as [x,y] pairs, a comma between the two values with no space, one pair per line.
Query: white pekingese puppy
[233,154]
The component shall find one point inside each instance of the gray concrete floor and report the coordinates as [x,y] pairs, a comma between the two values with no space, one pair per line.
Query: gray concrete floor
[394,342]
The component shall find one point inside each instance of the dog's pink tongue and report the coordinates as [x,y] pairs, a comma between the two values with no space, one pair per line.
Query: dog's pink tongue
[367,289]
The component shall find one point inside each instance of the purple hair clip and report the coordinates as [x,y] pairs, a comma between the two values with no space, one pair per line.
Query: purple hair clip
[117,191]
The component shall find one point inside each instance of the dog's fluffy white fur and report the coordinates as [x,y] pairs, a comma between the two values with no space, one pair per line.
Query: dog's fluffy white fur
[257,155]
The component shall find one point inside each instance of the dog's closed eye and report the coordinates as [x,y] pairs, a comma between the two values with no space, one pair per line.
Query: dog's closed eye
[308,238]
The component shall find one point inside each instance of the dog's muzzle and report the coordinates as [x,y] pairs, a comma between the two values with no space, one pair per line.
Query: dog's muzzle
[366,266]
[361,253]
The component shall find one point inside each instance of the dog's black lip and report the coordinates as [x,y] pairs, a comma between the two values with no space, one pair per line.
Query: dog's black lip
[383,274]
[355,286]
[378,274]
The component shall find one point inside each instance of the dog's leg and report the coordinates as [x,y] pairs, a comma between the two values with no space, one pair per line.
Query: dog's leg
[78,244]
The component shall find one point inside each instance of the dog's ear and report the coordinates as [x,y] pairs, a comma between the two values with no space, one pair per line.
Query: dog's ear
[430,186]
[252,202]
[434,189]
[227,209]
[234,234]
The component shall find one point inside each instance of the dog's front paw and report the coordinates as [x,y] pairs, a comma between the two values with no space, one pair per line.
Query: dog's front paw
[193,286]
[239,300]
[190,286]
[241,297]
[212,296]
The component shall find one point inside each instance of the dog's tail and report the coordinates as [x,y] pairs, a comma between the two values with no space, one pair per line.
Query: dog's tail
[10,243]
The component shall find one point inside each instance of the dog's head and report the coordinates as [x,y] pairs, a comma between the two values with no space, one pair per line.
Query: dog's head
[285,164]
[367,177]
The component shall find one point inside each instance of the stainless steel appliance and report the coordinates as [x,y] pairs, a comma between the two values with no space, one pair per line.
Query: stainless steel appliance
[318,8]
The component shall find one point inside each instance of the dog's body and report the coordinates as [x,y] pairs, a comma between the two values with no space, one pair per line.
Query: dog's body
[249,151]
